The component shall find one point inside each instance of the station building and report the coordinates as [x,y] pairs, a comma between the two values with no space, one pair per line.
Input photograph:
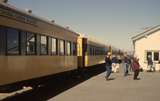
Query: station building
[148,43]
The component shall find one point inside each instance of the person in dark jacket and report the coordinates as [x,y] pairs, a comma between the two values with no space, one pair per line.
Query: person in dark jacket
[108,61]
[126,65]
[150,63]
[135,67]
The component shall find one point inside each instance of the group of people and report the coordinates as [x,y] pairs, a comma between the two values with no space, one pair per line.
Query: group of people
[113,65]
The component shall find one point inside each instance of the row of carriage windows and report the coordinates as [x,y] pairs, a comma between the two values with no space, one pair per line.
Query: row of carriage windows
[93,50]
[15,42]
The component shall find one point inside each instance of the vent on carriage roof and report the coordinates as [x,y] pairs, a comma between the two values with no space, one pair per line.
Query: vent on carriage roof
[67,27]
[28,11]
[53,21]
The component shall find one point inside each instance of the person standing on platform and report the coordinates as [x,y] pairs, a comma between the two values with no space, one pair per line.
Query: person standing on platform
[119,58]
[129,64]
[113,63]
[126,65]
[108,61]
[135,67]
[118,62]
[150,63]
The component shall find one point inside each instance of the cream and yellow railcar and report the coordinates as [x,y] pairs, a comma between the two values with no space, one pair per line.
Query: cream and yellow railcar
[31,47]
[95,53]
[90,52]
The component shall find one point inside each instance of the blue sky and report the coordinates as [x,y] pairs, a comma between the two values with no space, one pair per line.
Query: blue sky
[109,21]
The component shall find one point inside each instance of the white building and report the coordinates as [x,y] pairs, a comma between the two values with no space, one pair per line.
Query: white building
[148,43]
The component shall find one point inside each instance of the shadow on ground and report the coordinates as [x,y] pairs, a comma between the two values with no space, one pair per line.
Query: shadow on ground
[56,86]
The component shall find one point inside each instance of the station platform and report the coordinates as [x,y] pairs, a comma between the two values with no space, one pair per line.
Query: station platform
[119,89]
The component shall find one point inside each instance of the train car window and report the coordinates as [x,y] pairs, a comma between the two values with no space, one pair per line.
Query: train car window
[90,50]
[38,44]
[61,47]
[31,44]
[101,51]
[12,41]
[54,46]
[44,46]
[2,41]
[96,51]
[71,48]
[23,42]
[68,48]
[93,51]
[74,49]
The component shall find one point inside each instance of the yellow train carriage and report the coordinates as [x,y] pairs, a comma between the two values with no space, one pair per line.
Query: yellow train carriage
[95,53]
[31,47]
[90,52]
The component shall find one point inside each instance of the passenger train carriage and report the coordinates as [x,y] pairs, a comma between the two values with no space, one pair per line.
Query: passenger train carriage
[32,48]
[90,52]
